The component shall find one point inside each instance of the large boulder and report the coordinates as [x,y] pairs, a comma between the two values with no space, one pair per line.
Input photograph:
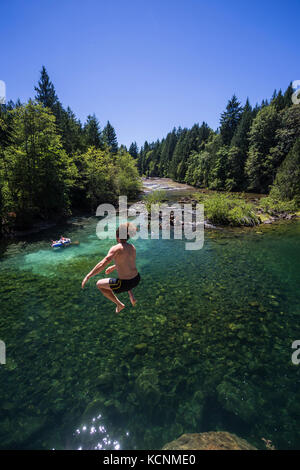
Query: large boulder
[209,441]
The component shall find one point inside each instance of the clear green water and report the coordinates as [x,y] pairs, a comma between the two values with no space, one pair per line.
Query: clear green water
[208,346]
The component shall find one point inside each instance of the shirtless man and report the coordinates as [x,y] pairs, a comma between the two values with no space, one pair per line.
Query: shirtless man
[123,254]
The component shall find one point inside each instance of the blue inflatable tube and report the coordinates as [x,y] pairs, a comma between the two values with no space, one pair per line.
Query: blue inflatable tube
[60,243]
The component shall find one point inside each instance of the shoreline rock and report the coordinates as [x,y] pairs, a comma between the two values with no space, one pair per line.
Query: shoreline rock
[209,441]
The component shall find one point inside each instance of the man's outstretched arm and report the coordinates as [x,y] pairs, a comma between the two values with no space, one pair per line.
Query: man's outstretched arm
[100,266]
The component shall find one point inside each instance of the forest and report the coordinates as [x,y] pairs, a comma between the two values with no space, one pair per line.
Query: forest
[52,165]
[255,149]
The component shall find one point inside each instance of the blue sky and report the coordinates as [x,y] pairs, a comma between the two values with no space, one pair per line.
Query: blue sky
[147,66]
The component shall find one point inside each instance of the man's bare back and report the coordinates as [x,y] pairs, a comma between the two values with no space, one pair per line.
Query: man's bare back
[124,255]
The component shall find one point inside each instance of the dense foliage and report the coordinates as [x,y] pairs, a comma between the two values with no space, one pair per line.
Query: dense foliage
[51,164]
[228,209]
[254,149]
[154,198]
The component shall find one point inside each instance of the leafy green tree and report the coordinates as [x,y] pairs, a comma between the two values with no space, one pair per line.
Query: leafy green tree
[262,137]
[286,134]
[110,137]
[39,173]
[128,182]
[287,181]
[219,170]
[212,147]
[98,177]
[235,169]
[198,171]
[104,178]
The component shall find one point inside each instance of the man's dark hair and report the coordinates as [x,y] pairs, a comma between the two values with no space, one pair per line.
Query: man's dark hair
[130,231]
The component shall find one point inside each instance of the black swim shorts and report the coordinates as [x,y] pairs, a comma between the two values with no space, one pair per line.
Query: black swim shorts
[123,285]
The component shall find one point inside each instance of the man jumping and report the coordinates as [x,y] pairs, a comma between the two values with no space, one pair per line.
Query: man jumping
[124,255]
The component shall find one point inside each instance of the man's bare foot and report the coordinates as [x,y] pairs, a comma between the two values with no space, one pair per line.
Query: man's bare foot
[132,298]
[119,307]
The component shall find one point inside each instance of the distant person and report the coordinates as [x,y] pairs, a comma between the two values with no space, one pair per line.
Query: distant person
[123,254]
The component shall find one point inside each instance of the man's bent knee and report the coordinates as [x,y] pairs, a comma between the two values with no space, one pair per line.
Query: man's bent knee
[102,284]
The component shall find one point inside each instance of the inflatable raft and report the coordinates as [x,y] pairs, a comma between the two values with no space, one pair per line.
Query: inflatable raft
[59,243]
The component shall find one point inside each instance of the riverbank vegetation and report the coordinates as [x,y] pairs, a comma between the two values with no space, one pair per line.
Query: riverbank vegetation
[228,209]
[236,209]
[255,149]
[155,197]
[51,164]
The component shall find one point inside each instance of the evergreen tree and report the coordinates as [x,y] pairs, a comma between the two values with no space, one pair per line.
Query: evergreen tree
[5,126]
[92,132]
[239,147]
[278,100]
[142,167]
[153,157]
[45,92]
[230,119]
[240,138]
[133,150]
[192,140]
[110,137]
[288,96]
[180,153]
[70,128]
[167,149]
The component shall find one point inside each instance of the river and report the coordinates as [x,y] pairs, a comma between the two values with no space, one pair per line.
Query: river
[207,347]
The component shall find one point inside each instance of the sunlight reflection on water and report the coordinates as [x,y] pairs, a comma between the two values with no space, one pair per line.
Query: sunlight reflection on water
[95,436]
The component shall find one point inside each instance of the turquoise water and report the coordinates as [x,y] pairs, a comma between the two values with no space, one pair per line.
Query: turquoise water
[207,347]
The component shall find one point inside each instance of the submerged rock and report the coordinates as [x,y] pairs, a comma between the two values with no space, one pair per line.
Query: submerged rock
[147,389]
[209,441]
[141,347]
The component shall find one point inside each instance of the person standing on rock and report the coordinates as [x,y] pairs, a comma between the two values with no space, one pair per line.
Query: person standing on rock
[124,255]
